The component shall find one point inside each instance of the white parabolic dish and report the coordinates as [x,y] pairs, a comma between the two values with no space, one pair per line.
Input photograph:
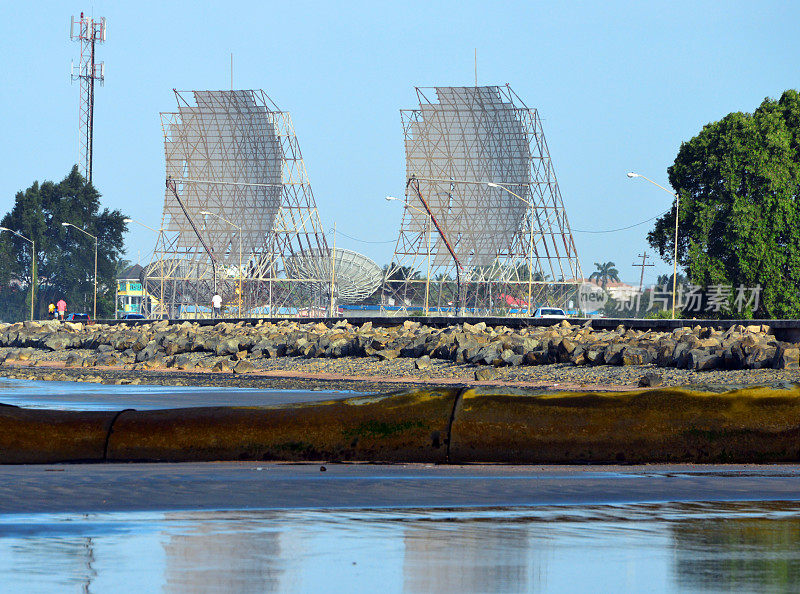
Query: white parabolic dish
[354,275]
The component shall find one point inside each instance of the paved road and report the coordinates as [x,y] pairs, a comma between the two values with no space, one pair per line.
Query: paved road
[129,487]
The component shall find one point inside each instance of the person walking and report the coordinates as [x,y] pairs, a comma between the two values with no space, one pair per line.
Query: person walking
[61,306]
[216,305]
[51,309]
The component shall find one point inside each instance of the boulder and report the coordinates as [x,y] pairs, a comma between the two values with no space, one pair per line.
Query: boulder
[636,356]
[485,374]
[613,353]
[228,346]
[388,354]
[702,360]
[788,358]
[222,366]
[55,342]
[155,362]
[183,362]
[760,357]
[423,362]
[595,356]
[244,366]
[141,342]
[651,379]
[107,359]
[565,349]
[147,353]
[73,360]
[578,357]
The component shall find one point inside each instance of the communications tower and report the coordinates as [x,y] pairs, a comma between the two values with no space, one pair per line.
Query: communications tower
[89,32]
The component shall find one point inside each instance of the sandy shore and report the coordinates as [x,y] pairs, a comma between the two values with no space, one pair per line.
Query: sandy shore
[246,485]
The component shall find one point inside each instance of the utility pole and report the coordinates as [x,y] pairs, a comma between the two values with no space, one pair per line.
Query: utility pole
[643,265]
[88,32]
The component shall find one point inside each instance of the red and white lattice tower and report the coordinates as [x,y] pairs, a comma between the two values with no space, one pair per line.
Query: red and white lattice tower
[88,31]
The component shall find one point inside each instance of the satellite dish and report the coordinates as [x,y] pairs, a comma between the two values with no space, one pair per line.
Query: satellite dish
[355,276]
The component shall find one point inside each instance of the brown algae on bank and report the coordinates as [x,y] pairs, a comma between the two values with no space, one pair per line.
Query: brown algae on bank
[656,425]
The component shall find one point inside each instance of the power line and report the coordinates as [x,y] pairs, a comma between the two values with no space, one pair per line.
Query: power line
[623,228]
[362,240]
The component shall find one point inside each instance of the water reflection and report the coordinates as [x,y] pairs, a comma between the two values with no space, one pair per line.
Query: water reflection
[228,556]
[86,396]
[673,547]
[469,556]
[755,549]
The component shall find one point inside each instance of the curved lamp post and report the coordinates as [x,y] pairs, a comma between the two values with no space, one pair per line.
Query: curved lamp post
[161,297]
[528,202]
[675,259]
[530,246]
[94,309]
[428,233]
[33,262]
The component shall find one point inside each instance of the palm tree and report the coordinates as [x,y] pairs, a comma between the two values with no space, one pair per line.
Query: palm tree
[605,272]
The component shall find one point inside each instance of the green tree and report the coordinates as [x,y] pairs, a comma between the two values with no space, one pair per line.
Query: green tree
[605,273]
[739,220]
[665,280]
[65,256]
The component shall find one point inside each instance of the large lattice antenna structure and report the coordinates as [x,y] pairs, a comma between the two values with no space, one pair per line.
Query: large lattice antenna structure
[484,227]
[237,205]
[88,32]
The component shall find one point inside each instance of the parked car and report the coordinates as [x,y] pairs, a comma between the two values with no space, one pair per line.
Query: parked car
[133,316]
[78,317]
[549,312]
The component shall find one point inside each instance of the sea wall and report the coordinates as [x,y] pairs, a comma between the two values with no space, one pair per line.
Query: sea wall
[447,425]
[236,345]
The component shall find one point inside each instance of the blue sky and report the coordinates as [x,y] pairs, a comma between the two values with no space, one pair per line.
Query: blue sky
[619,86]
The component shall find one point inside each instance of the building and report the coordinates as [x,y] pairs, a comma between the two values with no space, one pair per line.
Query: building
[130,294]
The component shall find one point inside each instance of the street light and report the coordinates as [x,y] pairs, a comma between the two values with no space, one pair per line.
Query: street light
[675,259]
[502,187]
[129,220]
[428,233]
[239,229]
[94,310]
[33,262]
[145,291]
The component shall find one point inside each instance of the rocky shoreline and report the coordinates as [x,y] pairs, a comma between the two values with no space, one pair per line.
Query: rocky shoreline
[562,356]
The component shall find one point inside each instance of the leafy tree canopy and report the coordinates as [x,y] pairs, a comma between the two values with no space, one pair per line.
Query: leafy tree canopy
[739,222]
[65,256]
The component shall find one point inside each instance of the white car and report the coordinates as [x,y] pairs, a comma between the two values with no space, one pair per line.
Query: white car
[549,312]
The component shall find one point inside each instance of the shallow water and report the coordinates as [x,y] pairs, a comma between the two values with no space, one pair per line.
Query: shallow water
[642,547]
[87,396]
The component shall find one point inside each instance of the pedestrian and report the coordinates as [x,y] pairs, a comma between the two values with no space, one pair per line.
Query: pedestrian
[51,309]
[61,306]
[216,305]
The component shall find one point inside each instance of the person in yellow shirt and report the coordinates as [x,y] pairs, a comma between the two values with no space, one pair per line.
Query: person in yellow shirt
[51,309]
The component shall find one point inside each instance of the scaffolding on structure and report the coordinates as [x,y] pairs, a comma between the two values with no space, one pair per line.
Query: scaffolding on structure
[484,228]
[237,205]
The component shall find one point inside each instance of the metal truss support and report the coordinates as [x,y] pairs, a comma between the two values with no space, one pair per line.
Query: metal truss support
[479,157]
[237,196]
[88,32]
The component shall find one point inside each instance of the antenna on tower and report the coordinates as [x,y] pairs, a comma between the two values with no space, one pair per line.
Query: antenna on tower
[88,31]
